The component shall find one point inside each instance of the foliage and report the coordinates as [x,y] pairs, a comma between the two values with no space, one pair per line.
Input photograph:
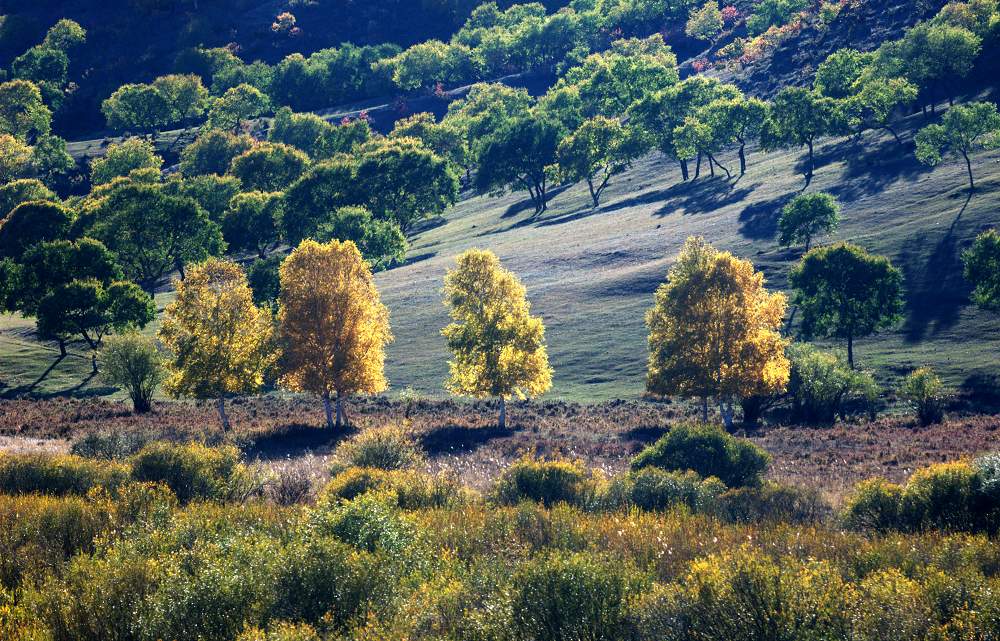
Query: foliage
[56,475]
[845,292]
[269,167]
[31,223]
[15,158]
[123,158]
[381,242]
[23,115]
[773,13]
[821,383]
[598,150]
[982,269]
[322,190]
[548,482]
[265,281]
[924,391]
[517,156]
[240,103]
[213,152]
[302,131]
[192,472]
[705,23]
[23,190]
[251,221]
[657,489]
[414,490]
[385,448]
[807,215]
[133,362]
[963,130]
[798,117]
[709,451]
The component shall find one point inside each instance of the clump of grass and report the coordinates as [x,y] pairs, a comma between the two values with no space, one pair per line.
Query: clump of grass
[385,448]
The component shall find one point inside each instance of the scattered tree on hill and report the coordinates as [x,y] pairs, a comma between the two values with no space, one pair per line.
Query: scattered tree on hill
[220,343]
[15,158]
[838,75]
[485,110]
[50,160]
[737,119]
[269,167]
[302,131]
[123,158]
[519,157]
[963,130]
[444,139]
[136,107]
[845,292]
[807,215]
[152,232]
[982,269]
[345,138]
[714,331]
[133,362]
[251,222]
[238,104]
[23,114]
[380,242]
[695,138]
[498,347]
[425,64]
[213,152]
[873,105]
[64,35]
[264,280]
[310,201]
[23,190]
[185,95]
[798,117]
[334,327]
[31,223]
[599,150]
[211,191]
[705,22]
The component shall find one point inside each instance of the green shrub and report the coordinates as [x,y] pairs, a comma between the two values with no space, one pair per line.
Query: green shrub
[281,631]
[414,490]
[116,445]
[548,482]
[773,503]
[192,471]
[874,505]
[385,448]
[890,606]
[371,522]
[944,496]
[656,489]
[821,382]
[56,474]
[709,451]
[558,597]
[923,390]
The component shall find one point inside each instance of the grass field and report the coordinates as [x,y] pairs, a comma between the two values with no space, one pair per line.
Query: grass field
[591,273]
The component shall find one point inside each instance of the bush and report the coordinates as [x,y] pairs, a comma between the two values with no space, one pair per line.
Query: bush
[386,448]
[774,503]
[548,482]
[874,505]
[413,490]
[822,382]
[576,596]
[656,489]
[371,522]
[56,474]
[110,445]
[281,631]
[133,362]
[924,391]
[192,471]
[890,606]
[709,451]
[944,496]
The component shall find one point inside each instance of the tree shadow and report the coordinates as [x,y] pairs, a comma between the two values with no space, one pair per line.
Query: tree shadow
[450,439]
[703,196]
[295,440]
[759,221]
[644,434]
[870,167]
[982,391]
[526,204]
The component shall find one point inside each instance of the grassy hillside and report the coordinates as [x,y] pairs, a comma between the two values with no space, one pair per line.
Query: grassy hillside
[591,273]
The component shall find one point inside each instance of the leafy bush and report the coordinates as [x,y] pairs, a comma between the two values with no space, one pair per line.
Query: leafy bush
[656,489]
[874,505]
[709,451]
[117,445]
[192,471]
[371,522]
[413,490]
[924,391]
[821,382]
[773,13]
[56,474]
[576,596]
[894,607]
[281,631]
[773,503]
[386,448]
[548,482]
[133,362]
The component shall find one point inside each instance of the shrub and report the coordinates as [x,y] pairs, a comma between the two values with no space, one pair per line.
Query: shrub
[709,451]
[386,448]
[413,490]
[56,474]
[924,391]
[110,445]
[281,631]
[133,362]
[821,382]
[192,471]
[774,503]
[548,482]
[874,505]
[560,596]
[890,606]
[944,496]
[371,522]
[656,489]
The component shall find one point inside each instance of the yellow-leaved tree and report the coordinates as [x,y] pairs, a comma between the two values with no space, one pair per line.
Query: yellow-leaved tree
[333,325]
[498,347]
[714,331]
[220,343]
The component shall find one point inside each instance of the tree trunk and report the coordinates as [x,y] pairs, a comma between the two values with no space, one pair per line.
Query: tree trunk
[93,361]
[341,413]
[62,348]
[502,424]
[180,269]
[743,159]
[726,410]
[220,404]
[809,166]
[594,195]
[711,166]
[140,404]
[808,242]
[697,167]
[712,158]
[968,168]
[704,409]
[894,134]
[850,350]
[684,170]
[328,410]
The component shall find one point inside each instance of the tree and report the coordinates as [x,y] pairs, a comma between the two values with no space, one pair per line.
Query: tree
[133,361]
[240,103]
[380,242]
[324,188]
[50,159]
[705,22]
[714,331]
[302,131]
[264,280]
[695,138]
[518,157]
[806,216]
[773,13]
[798,117]
[498,347]
[152,233]
[485,110]
[740,119]
[64,35]
[137,107]
[874,103]
[269,167]
[31,223]
[211,191]
[15,158]
[931,56]
[23,190]
[982,269]
[345,138]
[251,222]
[599,150]
[403,181]
[845,292]
[428,63]
[185,95]
[838,75]
[213,152]
[444,139]
[123,158]
[334,327]
[963,130]
[92,309]
[23,114]
[220,343]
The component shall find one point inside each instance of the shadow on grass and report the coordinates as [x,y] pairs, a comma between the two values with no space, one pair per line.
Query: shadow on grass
[295,440]
[872,166]
[759,221]
[644,434]
[526,204]
[75,391]
[450,439]
[982,392]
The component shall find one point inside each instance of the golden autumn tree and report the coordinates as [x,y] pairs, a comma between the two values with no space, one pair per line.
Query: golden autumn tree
[333,325]
[497,345]
[714,331]
[220,343]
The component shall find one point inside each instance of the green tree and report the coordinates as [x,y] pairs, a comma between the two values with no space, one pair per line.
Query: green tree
[213,152]
[345,138]
[485,110]
[251,222]
[773,13]
[324,188]
[982,269]
[238,104]
[15,158]
[211,191]
[518,157]
[269,167]
[137,107]
[31,223]
[381,242]
[186,97]
[798,117]
[932,56]
[837,76]
[963,130]
[873,104]
[425,64]
[123,158]
[705,22]
[65,35]
[50,159]
[845,292]
[737,119]
[302,131]
[23,114]
[807,215]
[599,150]
[444,139]
[23,190]
[133,362]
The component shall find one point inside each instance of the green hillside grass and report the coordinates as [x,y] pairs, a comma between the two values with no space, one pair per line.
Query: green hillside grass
[591,273]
